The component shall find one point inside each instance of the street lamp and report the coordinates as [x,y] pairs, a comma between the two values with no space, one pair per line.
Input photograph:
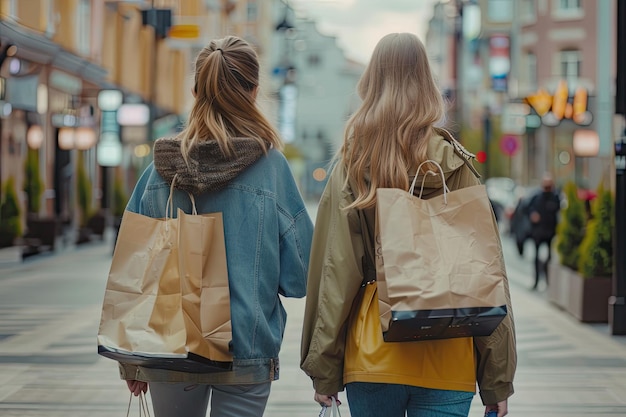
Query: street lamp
[287,93]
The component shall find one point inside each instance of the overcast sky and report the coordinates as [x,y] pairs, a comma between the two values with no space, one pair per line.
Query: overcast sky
[359,24]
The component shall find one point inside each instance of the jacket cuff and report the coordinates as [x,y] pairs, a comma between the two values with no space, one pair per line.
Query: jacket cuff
[326,387]
[128,371]
[490,397]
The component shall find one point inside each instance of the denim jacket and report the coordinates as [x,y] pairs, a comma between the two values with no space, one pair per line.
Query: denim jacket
[268,235]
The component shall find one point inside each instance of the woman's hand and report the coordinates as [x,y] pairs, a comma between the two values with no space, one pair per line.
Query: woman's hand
[326,399]
[137,387]
[501,408]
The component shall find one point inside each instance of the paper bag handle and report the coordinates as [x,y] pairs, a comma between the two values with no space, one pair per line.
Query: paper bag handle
[169,208]
[144,411]
[429,172]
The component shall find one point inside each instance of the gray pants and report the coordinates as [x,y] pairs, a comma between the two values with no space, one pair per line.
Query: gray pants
[191,400]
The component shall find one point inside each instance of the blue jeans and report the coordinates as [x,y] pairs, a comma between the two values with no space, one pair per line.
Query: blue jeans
[368,399]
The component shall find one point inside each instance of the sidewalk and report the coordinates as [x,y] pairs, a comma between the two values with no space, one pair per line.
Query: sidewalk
[48,364]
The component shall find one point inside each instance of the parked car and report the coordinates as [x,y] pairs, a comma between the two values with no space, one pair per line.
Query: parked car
[502,192]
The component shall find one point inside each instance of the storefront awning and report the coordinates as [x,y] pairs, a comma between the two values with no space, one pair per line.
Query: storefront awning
[35,47]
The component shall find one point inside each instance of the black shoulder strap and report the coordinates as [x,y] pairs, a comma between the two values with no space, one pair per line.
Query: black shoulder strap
[367,262]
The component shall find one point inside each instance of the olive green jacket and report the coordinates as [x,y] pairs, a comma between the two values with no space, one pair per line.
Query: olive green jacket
[336,273]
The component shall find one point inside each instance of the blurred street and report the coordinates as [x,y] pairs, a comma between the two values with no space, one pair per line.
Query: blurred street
[50,310]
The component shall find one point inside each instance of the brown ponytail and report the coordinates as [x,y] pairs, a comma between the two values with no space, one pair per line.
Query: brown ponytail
[226,77]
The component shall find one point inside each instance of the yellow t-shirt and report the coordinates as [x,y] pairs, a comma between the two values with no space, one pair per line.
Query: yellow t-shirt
[439,364]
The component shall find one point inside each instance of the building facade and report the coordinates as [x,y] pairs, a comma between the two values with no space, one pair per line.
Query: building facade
[55,60]
[528,78]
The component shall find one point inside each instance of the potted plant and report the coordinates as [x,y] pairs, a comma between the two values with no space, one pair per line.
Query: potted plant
[33,185]
[590,292]
[10,224]
[570,232]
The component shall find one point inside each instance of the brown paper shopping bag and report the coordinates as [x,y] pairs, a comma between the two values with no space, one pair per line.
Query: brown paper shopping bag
[158,310]
[206,297]
[439,264]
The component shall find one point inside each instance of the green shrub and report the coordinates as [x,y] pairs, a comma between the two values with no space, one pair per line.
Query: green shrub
[596,249]
[10,225]
[83,185]
[33,185]
[571,228]
[120,198]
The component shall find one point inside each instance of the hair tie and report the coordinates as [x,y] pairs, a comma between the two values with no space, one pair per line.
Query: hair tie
[221,50]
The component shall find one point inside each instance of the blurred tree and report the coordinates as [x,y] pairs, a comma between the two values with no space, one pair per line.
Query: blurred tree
[596,249]
[33,185]
[10,225]
[571,228]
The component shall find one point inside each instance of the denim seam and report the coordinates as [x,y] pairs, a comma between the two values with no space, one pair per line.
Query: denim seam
[256,274]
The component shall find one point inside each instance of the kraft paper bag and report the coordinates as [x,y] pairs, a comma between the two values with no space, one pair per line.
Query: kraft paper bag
[153,313]
[205,294]
[439,264]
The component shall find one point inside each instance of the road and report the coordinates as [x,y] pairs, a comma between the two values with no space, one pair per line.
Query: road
[50,310]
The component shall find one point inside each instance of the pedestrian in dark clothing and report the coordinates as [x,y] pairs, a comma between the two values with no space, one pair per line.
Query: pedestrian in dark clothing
[543,212]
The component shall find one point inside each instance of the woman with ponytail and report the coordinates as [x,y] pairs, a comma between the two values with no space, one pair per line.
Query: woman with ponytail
[228,157]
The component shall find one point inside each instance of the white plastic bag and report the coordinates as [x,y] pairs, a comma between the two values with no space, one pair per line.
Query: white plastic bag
[334,409]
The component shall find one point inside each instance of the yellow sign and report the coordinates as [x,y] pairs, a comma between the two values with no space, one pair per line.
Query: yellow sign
[541,101]
[553,108]
[559,102]
[184,32]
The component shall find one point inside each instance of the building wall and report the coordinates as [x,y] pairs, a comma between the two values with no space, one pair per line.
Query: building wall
[546,33]
[552,32]
[77,48]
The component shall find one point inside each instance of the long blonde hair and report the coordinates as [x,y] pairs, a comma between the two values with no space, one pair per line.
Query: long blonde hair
[226,79]
[388,135]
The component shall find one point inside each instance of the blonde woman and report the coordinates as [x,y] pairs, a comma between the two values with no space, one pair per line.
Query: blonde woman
[228,157]
[386,139]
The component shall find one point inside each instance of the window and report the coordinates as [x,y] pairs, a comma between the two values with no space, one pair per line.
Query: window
[252,11]
[570,64]
[83,27]
[51,20]
[13,8]
[500,10]
[528,11]
[569,4]
[567,10]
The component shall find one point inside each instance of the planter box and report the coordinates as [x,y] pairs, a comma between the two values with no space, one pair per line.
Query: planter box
[559,284]
[589,298]
[584,298]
